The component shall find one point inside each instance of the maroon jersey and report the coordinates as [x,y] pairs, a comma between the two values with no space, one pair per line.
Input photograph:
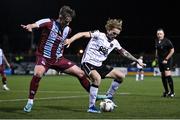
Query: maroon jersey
[51,44]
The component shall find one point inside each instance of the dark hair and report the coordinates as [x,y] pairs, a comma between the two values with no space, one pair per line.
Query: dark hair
[66,11]
[160,29]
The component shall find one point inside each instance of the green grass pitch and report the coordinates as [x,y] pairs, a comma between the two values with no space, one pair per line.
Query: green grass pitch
[62,97]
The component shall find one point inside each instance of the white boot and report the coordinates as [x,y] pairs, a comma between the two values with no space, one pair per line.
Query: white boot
[5,87]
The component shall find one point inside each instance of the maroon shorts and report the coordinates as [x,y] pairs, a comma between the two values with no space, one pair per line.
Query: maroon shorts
[1,69]
[60,64]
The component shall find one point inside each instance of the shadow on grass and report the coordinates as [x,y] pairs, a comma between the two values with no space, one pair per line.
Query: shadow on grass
[150,95]
[63,108]
[13,112]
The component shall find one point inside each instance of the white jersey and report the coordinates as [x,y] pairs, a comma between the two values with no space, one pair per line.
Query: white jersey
[1,56]
[138,66]
[99,48]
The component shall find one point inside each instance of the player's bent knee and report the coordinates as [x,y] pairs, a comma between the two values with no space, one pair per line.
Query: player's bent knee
[79,74]
[121,77]
[119,80]
[97,82]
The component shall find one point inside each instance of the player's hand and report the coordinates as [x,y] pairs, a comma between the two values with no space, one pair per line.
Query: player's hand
[164,62]
[132,63]
[141,64]
[67,42]
[27,27]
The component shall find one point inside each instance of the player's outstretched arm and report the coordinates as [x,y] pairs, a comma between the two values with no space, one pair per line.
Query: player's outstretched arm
[133,63]
[76,37]
[29,27]
[128,55]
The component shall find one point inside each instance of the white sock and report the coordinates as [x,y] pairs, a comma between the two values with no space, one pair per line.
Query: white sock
[142,76]
[113,88]
[137,76]
[93,95]
[30,101]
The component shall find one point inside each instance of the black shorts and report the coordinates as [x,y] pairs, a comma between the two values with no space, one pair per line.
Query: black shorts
[102,70]
[165,67]
[139,69]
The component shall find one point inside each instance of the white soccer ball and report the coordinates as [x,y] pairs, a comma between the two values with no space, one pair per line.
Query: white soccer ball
[106,105]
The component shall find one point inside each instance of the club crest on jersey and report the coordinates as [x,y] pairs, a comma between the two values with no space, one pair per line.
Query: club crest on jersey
[111,45]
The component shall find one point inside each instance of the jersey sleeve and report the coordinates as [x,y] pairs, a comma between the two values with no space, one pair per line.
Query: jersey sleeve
[94,33]
[170,45]
[43,22]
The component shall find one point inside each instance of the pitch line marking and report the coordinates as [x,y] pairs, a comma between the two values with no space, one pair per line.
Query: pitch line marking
[44,91]
[48,98]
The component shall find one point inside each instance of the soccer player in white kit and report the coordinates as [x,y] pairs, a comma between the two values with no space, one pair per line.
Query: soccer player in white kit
[140,72]
[3,75]
[97,51]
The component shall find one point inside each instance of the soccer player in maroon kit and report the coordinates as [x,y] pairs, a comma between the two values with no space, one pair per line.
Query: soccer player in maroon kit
[2,67]
[49,52]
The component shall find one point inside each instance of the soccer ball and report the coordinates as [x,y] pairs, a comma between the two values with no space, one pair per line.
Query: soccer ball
[106,105]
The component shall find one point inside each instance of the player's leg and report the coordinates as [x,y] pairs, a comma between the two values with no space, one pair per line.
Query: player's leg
[137,75]
[167,69]
[142,75]
[4,79]
[76,71]
[95,77]
[164,80]
[118,77]
[39,70]
[70,67]
[170,83]
[165,85]
[38,73]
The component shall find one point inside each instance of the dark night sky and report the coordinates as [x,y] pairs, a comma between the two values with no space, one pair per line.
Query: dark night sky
[140,21]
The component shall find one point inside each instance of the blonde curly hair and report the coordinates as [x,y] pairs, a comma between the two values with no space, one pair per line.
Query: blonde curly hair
[114,23]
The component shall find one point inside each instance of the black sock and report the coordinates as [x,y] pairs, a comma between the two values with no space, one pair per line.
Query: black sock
[164,81]
[93,85]
[118,81]
[171,84]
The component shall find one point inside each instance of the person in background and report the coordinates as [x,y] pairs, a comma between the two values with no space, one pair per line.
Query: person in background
[2,67]
[140,71]
[164,52]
